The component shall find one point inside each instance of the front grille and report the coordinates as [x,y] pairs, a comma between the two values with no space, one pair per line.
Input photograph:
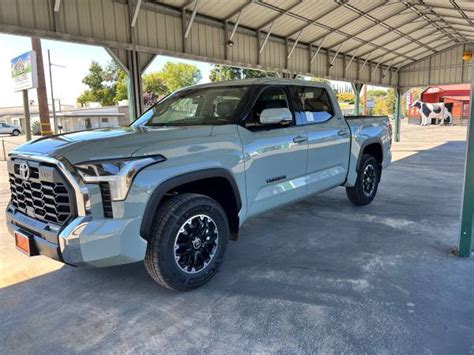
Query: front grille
[42,193]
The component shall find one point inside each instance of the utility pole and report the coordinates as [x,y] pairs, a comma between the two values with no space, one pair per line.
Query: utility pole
[41,89]
[55,122]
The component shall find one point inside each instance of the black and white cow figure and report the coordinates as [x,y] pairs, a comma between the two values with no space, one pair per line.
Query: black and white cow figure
[438,111]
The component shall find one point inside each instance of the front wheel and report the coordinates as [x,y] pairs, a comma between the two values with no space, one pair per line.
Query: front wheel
[187,243]
[367,182]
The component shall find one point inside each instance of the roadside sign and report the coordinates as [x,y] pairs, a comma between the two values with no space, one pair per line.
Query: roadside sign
[409,100]
[24,73]
[370,103]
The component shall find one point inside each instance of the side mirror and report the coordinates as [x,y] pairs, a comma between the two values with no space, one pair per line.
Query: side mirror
[272,116]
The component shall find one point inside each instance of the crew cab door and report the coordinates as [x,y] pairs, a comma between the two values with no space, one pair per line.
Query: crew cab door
[329,137]
[275,153]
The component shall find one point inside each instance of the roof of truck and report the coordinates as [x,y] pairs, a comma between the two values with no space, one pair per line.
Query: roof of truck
[266,81]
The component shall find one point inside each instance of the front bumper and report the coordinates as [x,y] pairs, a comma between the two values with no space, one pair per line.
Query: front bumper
[84,241]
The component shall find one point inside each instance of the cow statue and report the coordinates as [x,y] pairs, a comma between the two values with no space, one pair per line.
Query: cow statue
[438,111]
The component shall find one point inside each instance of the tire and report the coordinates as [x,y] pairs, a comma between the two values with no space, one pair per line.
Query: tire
[15,133]
[180,269]
[364,192]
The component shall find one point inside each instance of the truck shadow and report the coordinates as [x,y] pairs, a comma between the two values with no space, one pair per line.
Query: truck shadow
[318,255]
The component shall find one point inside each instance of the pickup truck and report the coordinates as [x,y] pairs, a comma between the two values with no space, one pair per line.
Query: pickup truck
[173,187]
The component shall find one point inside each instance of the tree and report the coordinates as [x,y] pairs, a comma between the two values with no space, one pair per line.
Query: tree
[345,97]
[106,85]
[171,77]
[224,72]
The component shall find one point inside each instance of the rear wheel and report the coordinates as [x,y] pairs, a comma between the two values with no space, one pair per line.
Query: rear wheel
[187,243]
[367,182]
[15,133]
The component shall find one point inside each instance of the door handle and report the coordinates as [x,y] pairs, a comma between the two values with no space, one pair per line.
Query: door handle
[300,139]
[343,132]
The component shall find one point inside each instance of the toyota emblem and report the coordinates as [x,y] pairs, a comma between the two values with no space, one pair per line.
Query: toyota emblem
[25,171]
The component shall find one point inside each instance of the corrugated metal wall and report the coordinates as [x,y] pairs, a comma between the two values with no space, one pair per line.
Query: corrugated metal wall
[446,67]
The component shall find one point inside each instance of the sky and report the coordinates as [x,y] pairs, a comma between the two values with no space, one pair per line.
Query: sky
[67,81]
[76,59]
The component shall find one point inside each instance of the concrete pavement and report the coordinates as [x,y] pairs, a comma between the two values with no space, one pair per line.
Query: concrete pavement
[321,276]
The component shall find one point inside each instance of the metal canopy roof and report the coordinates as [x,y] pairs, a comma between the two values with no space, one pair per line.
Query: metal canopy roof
[392,33]
[389,43]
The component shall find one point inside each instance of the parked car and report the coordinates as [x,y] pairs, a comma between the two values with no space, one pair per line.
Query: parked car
[173,187]
[5,128]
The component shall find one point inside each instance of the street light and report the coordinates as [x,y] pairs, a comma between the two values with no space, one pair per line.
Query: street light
[52,92]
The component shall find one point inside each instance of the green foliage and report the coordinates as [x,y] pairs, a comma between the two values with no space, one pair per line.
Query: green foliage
[345,97]
[36,128]
[224,73]
[171,77]
[106,85]
[371,94]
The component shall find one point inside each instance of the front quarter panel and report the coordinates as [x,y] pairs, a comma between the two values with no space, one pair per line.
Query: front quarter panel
[222,149]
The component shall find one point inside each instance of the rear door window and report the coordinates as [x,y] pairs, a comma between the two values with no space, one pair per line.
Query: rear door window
[312,105]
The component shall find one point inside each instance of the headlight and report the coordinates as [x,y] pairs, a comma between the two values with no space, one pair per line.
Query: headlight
[118,173]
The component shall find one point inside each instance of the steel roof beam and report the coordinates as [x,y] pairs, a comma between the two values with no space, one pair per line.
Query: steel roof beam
[415,60]
[411,50]
[191,20]
[352,58]
[448,7]
[366,60]
[391,40]
[239,10]
[327,28]
[266,38]
[135,13]
[281,12]
[461,12]
[57,4]
[388,27]
[302,28]
[317,50]
[371,26]
[348,23]
[421,3]
[294,44]
[236,25]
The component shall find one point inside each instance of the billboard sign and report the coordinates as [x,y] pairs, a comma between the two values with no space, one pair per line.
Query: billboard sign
[24,73]
[370,103]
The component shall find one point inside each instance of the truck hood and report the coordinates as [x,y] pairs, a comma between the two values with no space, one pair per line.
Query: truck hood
[109,143]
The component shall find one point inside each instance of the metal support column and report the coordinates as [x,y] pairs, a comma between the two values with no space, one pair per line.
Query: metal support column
[135,94]
[356,87]
[396,115]
[467,213]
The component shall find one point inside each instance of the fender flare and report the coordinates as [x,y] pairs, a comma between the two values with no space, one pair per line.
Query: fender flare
[365,145]
[160,190]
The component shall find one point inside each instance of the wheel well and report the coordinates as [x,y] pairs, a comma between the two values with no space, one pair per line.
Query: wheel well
[217,188]
[374,149]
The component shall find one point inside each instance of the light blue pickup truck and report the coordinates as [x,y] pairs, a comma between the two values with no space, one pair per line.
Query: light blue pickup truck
[176,185]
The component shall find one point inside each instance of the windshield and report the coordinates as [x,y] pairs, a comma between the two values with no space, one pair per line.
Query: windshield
[200,106]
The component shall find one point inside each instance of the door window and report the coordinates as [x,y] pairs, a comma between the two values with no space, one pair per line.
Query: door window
[312,105]
[272,97]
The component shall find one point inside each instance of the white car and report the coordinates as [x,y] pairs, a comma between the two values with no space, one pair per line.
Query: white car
[5,128]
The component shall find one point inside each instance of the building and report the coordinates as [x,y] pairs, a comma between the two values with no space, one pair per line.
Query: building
[69,118]
[90,118]
[455,97]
